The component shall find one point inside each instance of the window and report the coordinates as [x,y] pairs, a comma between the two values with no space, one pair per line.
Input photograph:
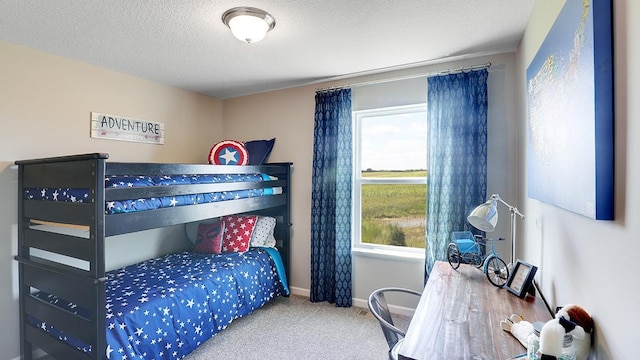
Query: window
[390,177]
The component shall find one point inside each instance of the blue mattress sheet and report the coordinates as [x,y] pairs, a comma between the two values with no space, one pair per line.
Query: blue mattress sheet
[164,308]
[133,205]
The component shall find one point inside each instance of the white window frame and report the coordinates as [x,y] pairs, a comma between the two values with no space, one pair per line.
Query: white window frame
[356,245]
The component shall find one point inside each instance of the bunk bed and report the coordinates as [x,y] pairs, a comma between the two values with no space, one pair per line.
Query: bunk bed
[69,303]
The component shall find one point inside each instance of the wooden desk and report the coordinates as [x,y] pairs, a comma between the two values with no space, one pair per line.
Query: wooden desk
[458,317]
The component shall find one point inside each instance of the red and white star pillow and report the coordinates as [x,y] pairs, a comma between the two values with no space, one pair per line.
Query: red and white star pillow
[237,232]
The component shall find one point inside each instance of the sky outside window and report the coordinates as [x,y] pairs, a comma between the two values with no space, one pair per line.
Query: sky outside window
[394,142]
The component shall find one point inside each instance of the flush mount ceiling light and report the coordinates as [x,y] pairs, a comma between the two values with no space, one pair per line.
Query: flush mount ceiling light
[248,24]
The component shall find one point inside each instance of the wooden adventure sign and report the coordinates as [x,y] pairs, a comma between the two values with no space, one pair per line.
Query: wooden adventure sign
[114,127]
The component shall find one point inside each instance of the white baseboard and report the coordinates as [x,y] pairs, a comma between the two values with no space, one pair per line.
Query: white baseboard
[400,310]
[362,303]
[299,291]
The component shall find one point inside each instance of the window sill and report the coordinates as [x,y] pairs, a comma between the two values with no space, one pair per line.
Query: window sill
[389,254]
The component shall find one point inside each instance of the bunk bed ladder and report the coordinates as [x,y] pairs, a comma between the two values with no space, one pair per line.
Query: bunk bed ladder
[67,262]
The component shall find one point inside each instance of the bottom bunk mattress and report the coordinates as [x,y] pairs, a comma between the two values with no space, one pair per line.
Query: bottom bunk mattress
[166,307]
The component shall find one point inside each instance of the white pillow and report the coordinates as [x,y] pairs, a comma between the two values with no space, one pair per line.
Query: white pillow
[263,232]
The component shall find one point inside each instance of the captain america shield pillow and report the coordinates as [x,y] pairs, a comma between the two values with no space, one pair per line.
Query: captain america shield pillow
[229,152]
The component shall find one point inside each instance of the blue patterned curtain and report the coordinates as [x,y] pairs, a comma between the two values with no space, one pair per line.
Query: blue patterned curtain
[457,136]
[331,199]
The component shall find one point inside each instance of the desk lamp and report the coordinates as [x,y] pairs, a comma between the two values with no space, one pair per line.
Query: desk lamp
[485,217]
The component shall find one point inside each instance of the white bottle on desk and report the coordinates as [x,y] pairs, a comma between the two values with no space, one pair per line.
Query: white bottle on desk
[533,342]
[569,349]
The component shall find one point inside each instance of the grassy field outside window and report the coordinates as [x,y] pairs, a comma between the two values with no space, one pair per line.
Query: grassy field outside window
[394,214]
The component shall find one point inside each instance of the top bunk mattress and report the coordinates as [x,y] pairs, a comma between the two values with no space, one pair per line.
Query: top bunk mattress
[80,195]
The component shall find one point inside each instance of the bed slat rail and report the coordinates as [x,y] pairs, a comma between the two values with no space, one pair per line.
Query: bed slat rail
[73,246]
[143,220]
[56,348]
[78,174]
[73,325]
[116,168]
[59,212]
[74,288]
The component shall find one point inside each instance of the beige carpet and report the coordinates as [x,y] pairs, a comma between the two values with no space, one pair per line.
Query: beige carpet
[295,328]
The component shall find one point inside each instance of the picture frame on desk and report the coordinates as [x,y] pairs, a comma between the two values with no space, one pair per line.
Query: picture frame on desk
[521,278]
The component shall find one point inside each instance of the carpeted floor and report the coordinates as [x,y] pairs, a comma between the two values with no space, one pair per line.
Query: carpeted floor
[295,328]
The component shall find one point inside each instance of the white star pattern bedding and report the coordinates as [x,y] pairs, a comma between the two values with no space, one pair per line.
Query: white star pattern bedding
[133,205]
[164,308]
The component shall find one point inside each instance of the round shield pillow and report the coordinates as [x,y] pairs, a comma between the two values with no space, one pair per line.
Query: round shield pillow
[229,152]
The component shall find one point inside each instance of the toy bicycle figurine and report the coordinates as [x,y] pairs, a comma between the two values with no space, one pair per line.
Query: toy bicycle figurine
[462,249]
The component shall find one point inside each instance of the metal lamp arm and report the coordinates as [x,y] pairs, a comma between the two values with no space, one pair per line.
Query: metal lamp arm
[512,209]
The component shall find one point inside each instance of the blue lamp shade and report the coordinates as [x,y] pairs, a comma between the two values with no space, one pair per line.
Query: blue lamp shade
[485,216]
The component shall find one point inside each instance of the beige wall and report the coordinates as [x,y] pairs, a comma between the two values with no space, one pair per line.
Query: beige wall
[46,101]
[583,261]
[45,106]
[288,116]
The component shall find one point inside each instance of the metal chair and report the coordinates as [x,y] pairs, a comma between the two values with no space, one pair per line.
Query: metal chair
[380,310]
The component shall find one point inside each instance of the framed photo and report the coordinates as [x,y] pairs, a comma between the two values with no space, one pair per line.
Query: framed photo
[520,278]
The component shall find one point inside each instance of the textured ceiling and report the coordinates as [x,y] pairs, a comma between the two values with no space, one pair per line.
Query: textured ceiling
[183,43]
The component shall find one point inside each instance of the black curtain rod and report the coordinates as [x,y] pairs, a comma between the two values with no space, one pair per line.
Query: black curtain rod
[435,73]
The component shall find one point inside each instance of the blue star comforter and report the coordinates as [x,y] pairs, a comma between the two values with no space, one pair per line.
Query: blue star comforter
[164,308]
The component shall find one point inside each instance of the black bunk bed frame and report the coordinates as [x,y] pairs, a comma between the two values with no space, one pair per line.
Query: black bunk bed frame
[86,287]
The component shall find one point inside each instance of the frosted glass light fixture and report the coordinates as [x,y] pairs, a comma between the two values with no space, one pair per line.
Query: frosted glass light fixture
[248,24]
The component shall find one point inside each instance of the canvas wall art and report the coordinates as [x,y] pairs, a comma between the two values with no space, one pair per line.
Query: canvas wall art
[570,112]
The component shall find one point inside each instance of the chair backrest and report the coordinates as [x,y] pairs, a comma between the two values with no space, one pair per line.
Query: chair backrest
[380,310]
